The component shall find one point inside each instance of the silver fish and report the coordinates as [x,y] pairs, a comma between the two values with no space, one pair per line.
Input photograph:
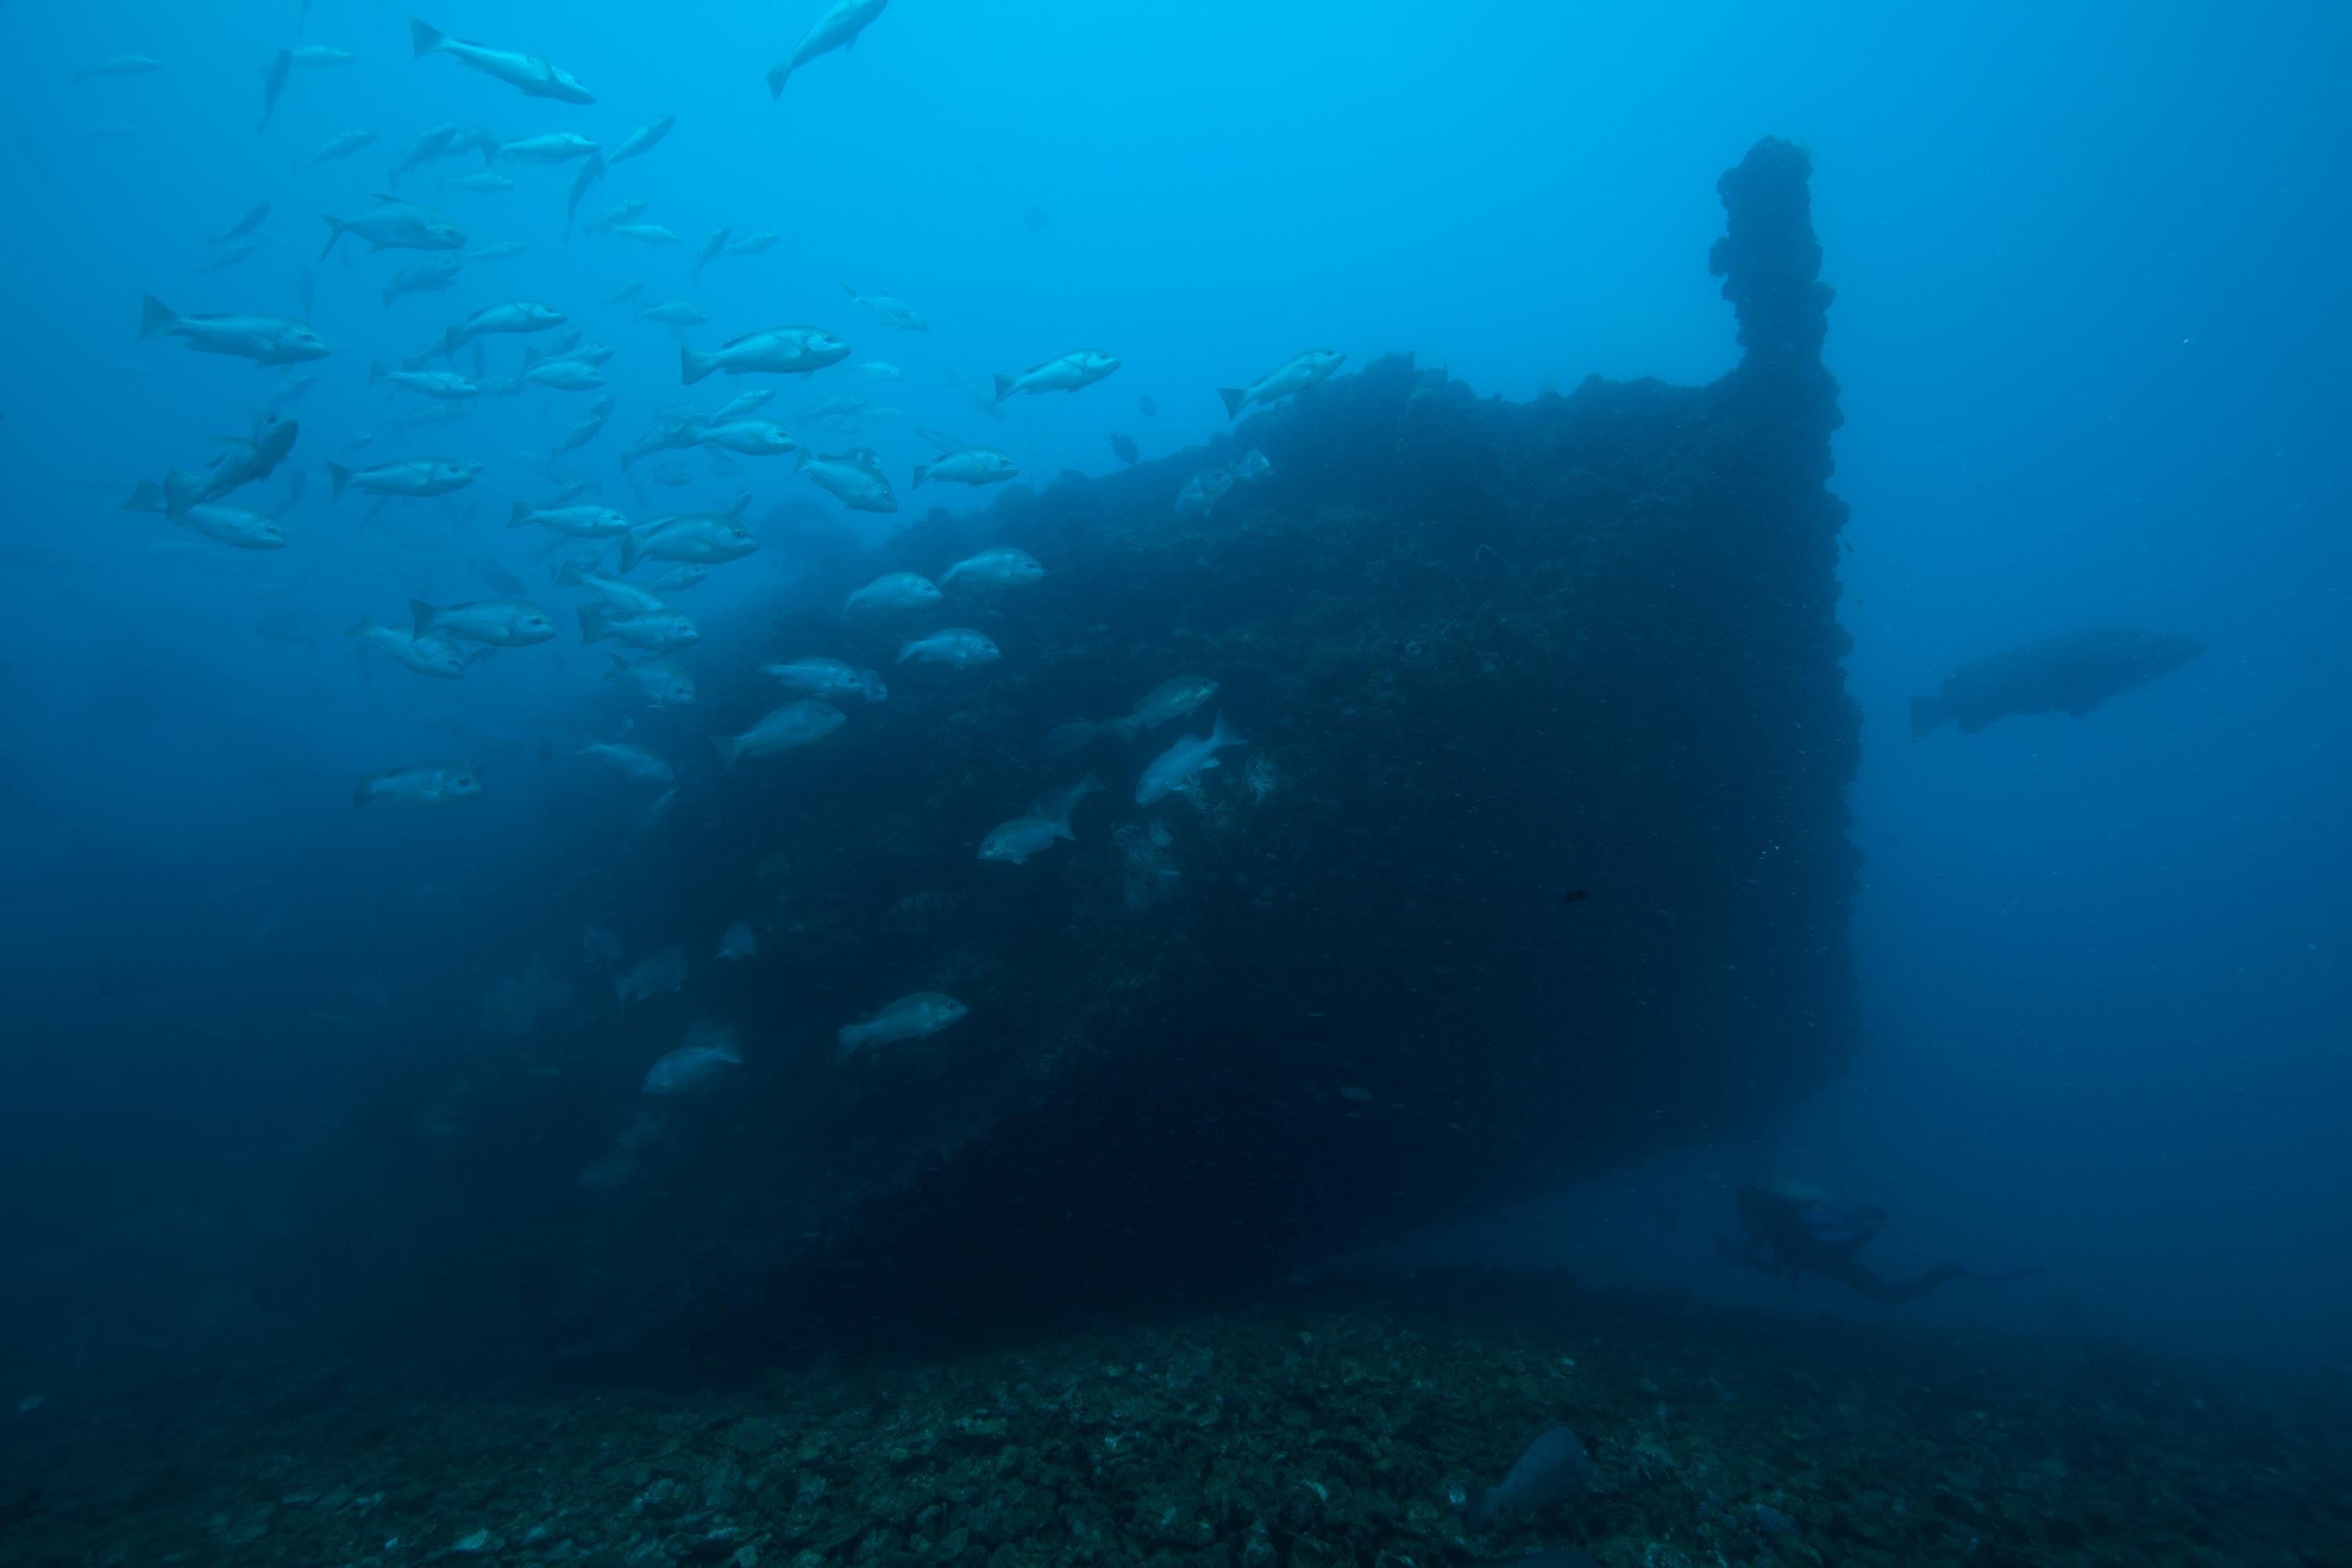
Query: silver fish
[829,678]
[958,648]
[999,568]
[396,225]
[752,437]
[341,146]
[659,681]
[856,478]
[661,974]
[230,525]
[253,218]
[794,724]
[415,476]
[837,29]
[436,656]
[265,340]
[701,538]
[890,312]
[634,760]
[644,139]
[1171,700]
[445,384]
[120,65]
[520,316]
[1294,374]
[660,631]
[969,465]
[501,623]
[893,590]
[1184,761]
[1046,824]
[1063,373]
[913,1017]
[781,351]
[555,147]
[695,1065]
[420,784]
[534,76]
[426,276]
[247,460]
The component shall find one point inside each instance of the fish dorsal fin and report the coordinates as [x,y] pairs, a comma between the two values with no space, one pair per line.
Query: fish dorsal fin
[742,502]
[866,457]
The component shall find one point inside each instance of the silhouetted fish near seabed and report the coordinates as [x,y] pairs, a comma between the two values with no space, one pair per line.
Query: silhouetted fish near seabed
[2070,674]
[1553,1467]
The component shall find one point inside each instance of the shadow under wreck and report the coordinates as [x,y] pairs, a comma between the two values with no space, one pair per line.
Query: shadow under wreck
[1485,654]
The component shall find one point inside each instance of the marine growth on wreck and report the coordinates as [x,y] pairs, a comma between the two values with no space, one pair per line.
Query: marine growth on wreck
[1521,854]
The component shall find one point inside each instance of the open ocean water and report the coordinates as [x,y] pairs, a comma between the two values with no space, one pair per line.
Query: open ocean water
[1267,784]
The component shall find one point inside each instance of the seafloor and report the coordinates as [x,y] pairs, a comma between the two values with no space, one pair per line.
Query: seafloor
[1338,1425]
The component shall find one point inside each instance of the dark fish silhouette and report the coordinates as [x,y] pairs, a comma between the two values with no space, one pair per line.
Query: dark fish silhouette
[495,577]
[1554,1465]
[1124,447]
[1145,407]
[2071,674]
[273,82]
[1576,895]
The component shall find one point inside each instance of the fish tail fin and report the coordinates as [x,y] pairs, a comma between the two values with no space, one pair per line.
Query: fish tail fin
[155,318]
[777,75]
[1125,729]
[366,624]
[334,233]
[425,38]
[633,551]
[180,489]
[520,517]
[147,496]
[1235,397]
[1003,386]
[692,367]
[593,619]
[567,574]
[922,472]
[728,747]
[848,1038]
[620,666]
[364,791]
[340,476]
[1927,712]
[423,615]
[377,371]
[1222,734]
